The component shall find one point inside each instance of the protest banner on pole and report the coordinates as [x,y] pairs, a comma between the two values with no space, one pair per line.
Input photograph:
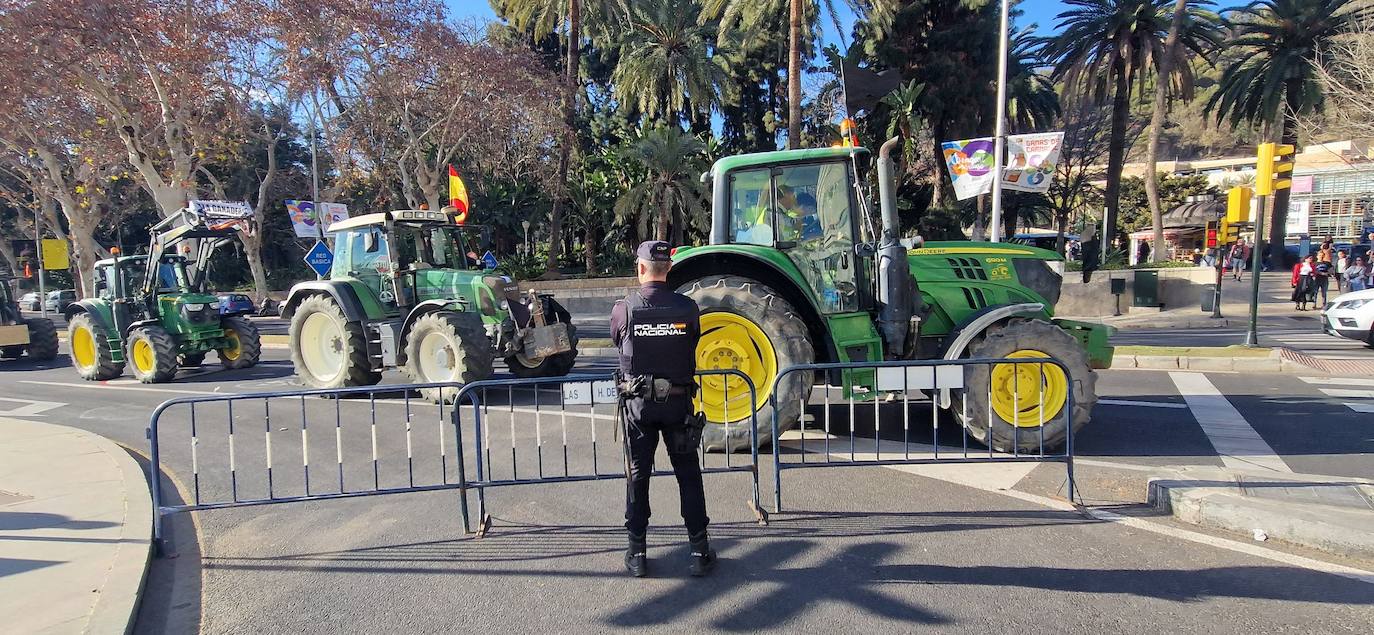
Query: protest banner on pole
[1031,162]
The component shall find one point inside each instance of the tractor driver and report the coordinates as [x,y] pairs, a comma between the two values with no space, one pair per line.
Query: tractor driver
[656,331]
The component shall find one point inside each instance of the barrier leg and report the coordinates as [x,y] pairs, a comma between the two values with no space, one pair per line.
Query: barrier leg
[462,468]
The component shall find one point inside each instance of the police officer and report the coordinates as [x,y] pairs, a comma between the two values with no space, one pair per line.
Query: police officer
[656,331]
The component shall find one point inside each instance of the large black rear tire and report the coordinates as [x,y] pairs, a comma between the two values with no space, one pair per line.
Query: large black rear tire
[42,339]
[447,346]
[92,355]
[747,310]
[339,355]
[971,406]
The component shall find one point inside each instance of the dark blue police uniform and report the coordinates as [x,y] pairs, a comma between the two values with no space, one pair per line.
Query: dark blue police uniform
[656,331]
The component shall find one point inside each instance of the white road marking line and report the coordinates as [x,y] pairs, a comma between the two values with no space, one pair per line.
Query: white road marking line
[103,386]
[1235,441]
[1337,381]
[31,407]
[1142,404]
[1348,394]
[1360,407]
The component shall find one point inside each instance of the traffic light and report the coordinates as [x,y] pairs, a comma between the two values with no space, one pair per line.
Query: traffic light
[1212,231]
[1237,214]
[1273,167]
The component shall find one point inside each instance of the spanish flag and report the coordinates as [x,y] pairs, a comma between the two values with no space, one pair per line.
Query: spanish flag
[458,195]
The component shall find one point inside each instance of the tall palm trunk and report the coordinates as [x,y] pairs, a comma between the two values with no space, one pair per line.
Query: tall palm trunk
[665,214]
[1278,228]
[794,95]
[1116,153]
[565,148]
[1161,106]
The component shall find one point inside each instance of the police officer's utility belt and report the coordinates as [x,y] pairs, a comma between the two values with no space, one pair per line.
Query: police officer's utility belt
[655,388]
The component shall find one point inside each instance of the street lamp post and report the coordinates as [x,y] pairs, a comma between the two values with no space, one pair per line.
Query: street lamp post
[526,225]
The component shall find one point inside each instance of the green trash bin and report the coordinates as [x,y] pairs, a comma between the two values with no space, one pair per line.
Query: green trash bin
[1146,288]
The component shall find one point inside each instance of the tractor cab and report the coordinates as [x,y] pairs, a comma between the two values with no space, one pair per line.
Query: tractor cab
[406,257]
[803,204]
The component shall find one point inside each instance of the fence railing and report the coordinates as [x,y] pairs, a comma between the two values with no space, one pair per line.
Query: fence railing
[1017,422]
[511,453]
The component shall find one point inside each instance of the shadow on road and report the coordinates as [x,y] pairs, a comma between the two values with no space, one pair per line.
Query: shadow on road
[171,601]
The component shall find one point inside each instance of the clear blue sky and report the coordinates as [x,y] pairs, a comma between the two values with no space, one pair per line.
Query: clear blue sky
[1035,11]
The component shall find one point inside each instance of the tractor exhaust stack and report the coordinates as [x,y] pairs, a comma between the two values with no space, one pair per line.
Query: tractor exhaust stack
[895,285]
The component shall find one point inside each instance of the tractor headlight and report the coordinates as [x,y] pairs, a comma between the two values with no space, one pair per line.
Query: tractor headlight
[1037,276]
[195,307]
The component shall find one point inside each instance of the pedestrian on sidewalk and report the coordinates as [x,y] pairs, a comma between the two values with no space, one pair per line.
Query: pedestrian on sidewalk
[1238,255]
[1321,280]
[1341,263]
[1356,275]
[1302,282]
[1092,253]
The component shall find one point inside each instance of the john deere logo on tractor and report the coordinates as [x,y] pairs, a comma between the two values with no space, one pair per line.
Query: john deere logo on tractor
[660,330]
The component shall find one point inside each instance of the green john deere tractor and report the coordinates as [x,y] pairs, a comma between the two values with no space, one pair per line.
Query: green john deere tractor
[796,273]
[407,289]
[20,336]
[150,313]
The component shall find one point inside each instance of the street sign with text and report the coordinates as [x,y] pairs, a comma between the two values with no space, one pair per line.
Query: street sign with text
[320,258]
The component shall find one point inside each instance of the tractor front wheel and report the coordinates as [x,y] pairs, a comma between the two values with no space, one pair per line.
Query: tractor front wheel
[1025,406]
[91,352]
[327,350]
[42,339]
[245,346]
[748,327]
[152,353]
[447,347]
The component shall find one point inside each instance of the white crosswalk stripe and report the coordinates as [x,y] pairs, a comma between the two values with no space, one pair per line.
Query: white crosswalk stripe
[1352,390]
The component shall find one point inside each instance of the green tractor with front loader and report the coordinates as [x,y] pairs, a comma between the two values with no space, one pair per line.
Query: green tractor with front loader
[795,273]
[151,311]
[407,289]
[35,338]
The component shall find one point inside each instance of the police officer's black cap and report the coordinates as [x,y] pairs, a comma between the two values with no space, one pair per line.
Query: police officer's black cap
[654,251]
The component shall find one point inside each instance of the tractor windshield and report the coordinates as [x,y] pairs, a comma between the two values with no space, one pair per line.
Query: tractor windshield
[438,246]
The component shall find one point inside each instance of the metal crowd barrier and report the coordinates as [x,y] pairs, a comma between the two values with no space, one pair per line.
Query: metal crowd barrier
[872,384]
[236,446]
[257,448]
[543,457]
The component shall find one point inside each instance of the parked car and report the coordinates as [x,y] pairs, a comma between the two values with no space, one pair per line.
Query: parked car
[58,301]
[1351,315]
[31,301]
[235,304]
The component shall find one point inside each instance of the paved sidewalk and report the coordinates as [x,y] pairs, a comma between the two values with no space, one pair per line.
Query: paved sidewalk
[75,529]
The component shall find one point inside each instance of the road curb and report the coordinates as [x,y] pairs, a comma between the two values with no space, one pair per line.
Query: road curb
[1231,500]
[1271,364]
[115,608]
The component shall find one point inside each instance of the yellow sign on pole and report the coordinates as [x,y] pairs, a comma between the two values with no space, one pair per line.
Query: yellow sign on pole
[55,254]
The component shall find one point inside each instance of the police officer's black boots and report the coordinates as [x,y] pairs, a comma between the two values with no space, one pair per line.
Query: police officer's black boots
[636,556]
[703,557]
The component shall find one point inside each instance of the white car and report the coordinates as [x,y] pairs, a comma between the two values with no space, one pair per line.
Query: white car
[1351,315]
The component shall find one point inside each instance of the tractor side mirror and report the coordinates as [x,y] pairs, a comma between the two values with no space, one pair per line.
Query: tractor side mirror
[370,243]
[864,250]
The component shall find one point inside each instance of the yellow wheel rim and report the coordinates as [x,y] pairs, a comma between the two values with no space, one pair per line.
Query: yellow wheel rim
[143,356]
[1027,395]
[729,340]
[83,347]
[235,347]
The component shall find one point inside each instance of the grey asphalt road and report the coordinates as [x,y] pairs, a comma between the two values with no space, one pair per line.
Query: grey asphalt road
[859,547]
[1301,333]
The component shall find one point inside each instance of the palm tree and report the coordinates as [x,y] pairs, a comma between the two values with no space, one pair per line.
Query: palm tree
[1104,49]
[1032,102]
[666,65]
[542,18]
[1274,80]
[754,15]
[672,196]
[1174,76]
